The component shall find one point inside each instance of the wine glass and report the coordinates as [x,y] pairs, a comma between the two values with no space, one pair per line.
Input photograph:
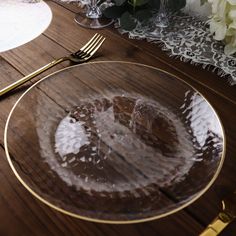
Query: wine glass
[162,15]
[92,18]
[160,21]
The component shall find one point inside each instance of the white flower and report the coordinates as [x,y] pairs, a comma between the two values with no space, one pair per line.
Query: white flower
[195,8]
[223,23]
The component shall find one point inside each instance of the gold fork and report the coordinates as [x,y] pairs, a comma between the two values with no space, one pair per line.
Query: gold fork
[226,216]
[82,55]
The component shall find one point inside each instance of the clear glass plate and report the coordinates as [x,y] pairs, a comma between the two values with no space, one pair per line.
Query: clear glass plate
[114,142]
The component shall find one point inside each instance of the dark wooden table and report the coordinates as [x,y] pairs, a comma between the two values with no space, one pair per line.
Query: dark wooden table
[22,214]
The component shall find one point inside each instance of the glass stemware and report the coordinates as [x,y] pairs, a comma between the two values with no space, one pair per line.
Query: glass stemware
[92,18]
[162,15]
[160,21]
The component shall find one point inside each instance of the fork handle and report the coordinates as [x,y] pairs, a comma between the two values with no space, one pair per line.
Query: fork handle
[30,76]
[217,225]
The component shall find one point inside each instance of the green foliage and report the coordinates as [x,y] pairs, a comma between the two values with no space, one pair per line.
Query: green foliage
[132,11]
[119,2]
[143,14]
[154,4]
[203,2]
[136,3]
[114,12]
[176,5]
[127,21]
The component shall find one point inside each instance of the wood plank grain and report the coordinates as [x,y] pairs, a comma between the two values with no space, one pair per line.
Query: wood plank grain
[34,55]
[192,72]
[42,50]
[28,215]
[228,108]
[35,211]
[206,77]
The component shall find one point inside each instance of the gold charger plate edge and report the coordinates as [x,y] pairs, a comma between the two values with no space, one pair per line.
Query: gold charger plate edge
[112,221]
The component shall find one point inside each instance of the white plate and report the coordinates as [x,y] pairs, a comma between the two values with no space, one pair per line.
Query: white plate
[21,22]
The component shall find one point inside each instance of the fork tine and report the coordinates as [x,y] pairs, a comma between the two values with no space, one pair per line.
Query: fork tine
[88,43]
[92,48]
[82,55]
[98,46]
[84,50]
[93,43]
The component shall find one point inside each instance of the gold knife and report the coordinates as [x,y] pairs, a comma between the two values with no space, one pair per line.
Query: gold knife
[227,215]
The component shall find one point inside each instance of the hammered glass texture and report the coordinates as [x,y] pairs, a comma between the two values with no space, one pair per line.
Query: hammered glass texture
[115,141]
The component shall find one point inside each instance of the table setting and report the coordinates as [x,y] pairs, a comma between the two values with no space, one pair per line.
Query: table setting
[118,124]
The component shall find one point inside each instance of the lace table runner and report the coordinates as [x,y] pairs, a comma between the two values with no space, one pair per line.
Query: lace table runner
[189,39]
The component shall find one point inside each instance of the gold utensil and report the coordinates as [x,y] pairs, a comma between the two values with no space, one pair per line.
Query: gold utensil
[82,55]
[227,215]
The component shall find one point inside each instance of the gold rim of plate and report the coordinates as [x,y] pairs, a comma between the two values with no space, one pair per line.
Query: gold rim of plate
[113,221]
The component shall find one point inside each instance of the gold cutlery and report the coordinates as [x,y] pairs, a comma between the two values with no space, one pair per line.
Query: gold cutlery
[82,55]
[227,215]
